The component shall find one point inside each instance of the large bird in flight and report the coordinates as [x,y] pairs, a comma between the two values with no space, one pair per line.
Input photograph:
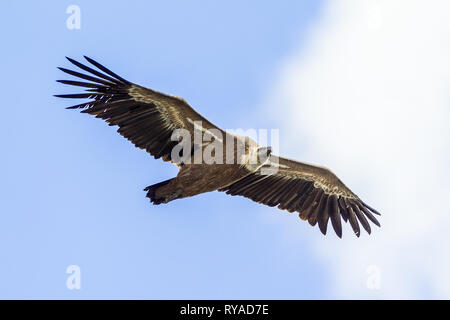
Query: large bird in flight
[149,119]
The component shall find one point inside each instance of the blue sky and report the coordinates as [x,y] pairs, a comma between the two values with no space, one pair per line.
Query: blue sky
[72,187]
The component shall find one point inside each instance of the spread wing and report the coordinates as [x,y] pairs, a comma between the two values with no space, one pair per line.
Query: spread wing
[314,192]
[145,117]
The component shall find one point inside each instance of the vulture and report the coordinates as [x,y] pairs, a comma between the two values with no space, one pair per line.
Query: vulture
[151,119]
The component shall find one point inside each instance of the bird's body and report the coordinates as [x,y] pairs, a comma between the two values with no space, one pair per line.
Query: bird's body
[194,179]
[164,126]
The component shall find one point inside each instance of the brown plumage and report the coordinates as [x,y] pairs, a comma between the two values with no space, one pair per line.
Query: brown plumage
[149,119]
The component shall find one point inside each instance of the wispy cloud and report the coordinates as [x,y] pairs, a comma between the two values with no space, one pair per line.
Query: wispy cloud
[369,97]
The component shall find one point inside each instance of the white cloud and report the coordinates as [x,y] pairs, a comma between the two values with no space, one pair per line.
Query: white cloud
[368,96]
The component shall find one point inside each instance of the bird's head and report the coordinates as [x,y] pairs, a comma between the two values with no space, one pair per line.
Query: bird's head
[264,153]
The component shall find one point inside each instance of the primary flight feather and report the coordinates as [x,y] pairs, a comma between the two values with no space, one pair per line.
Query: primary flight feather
[150,119]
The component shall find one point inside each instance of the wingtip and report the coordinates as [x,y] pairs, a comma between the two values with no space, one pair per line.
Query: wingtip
[370,208]
[90,60]
[71,60]
[357,231]
[64,70]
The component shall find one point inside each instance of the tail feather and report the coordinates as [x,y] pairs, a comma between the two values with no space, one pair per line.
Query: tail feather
[151,192]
